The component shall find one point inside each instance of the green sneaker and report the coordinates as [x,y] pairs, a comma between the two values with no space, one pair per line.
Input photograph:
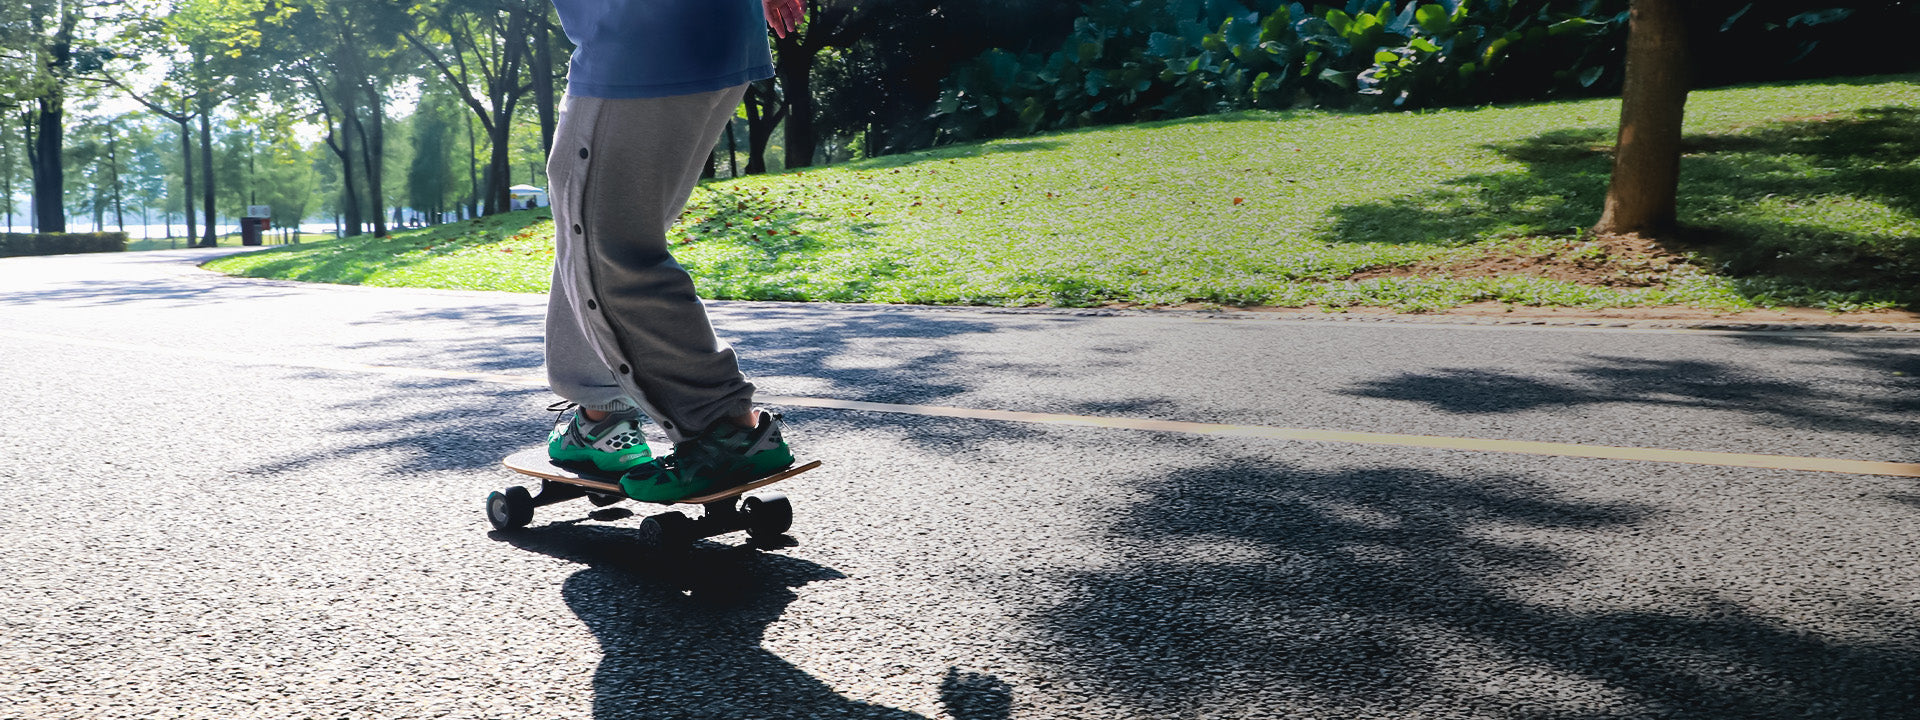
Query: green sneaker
[612,445]
[724,456]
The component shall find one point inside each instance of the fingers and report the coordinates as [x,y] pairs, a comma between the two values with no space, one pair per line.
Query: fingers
[783,15]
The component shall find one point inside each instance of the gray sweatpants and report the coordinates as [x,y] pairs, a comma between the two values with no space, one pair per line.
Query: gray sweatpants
[624,327]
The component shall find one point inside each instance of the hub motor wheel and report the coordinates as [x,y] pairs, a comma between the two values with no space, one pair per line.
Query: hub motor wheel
[768,515]
[510,509]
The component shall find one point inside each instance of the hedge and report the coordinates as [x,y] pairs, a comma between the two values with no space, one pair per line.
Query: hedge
[17,244]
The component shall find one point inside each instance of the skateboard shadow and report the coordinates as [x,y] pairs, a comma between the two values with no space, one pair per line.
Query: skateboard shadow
[681,637]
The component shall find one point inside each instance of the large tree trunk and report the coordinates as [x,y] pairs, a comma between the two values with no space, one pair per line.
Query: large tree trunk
[763,115]
[45,147]
[795,68]
[1643,195]
[49,176]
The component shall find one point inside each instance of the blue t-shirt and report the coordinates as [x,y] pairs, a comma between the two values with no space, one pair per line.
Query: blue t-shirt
[656,48]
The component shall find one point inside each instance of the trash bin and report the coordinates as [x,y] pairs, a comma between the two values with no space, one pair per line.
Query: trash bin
[253,230]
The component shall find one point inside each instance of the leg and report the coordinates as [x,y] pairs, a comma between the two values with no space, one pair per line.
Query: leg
[574,370]
[622,172]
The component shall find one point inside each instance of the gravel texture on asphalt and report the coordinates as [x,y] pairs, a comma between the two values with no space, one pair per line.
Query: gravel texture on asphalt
[211,513]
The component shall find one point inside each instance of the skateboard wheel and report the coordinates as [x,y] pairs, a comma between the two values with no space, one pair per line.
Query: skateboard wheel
[667,530]
[510,509]
[768,515]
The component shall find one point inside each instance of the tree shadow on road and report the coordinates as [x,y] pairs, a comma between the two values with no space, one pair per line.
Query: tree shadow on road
[1253,590]
[1739,390]
[877,356]
[681,635]
[149,293]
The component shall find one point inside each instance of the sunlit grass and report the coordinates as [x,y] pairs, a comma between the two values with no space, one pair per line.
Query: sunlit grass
[1267,209]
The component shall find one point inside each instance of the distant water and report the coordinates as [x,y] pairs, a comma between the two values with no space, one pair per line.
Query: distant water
[143,232]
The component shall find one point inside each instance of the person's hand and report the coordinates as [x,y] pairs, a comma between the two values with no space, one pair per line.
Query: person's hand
[783,15]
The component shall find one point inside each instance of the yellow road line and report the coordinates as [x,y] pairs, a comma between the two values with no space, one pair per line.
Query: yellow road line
[1520,447]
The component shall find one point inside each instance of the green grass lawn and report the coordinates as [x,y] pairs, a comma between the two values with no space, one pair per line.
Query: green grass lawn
[1802,194]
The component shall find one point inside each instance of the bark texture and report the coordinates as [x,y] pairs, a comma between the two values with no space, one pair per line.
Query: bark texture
[1643,195]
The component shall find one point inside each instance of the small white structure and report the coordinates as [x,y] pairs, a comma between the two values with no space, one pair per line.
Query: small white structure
[523,197]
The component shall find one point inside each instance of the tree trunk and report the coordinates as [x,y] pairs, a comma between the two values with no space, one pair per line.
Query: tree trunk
[473,172]
[99,201]
[186,177]
[543,79]
[113,164]
[763,114]
[1643,195]
[49,178]
[206,164]
[733,152]
[795,68]
[373,149]
[349,225]
[499,169]
[6,175]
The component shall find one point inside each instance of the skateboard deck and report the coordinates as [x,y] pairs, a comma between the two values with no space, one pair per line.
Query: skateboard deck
[534,461]
[765,516]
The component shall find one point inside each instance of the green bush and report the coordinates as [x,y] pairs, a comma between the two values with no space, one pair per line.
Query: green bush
[18,244]
[1132,60]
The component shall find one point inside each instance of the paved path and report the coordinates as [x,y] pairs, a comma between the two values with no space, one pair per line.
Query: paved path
[249,499]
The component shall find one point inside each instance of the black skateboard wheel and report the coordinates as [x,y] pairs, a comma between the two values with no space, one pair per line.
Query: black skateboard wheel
[510,509]
[769,515]
[666,531]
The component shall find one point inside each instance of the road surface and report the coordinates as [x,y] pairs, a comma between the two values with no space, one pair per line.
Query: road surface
[233,498]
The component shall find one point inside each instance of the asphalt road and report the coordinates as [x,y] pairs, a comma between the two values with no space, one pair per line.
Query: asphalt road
[231,498]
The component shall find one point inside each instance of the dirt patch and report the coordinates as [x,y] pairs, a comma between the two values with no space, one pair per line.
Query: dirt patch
[1615,261]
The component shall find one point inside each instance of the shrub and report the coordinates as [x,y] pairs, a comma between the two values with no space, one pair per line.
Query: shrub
[1131,60]
[18,244]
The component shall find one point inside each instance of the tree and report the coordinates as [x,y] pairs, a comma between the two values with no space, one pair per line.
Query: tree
[340,55]
[829,24]
[765,108]
[430,174]
[54,50]
[93,171]
[196,45]
[484,45]
[145,172]
[283,174]
[1642,196]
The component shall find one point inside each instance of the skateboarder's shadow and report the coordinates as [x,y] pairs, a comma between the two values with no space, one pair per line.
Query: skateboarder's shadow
[681,637]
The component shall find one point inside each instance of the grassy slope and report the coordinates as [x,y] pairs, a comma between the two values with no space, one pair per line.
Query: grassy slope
[1261,208]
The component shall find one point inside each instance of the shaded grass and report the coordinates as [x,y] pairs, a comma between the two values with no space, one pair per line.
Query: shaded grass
[1805,195]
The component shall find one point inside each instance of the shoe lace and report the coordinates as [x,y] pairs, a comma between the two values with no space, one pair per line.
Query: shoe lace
[562,408]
